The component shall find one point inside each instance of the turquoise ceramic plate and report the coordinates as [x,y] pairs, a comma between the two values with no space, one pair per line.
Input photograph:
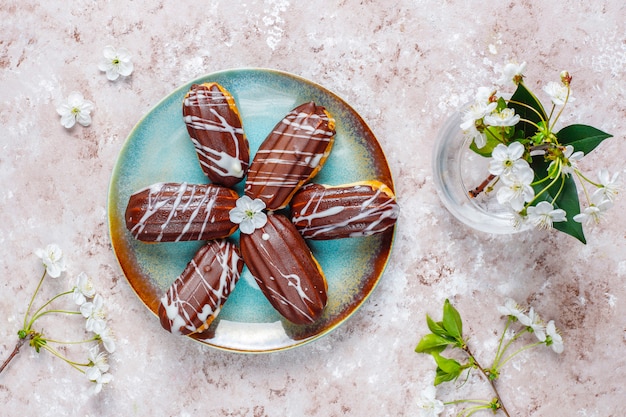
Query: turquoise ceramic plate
[158,150]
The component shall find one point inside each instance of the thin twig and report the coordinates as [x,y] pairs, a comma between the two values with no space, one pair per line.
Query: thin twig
[16,350]
[476,191]
[493,385]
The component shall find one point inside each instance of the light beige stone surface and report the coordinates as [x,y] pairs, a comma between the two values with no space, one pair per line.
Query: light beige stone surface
[404,66]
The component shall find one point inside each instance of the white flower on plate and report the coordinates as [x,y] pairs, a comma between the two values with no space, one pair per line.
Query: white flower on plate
[248,214]
[502,118]
[52,257]
[429,405]
[83,289]
[116,62]
[507,159]
[93,311]
[558,93]
[553,338]
[75,109]
[544,214]
[516,189]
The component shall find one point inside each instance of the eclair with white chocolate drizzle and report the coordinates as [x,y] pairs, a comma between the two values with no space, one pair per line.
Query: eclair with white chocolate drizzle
[172,212]
[215,128]
[292,154]
[352,210]
[285,270]
[196,297]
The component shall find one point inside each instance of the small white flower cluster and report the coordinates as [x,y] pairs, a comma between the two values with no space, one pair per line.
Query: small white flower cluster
[94,313]
[77,109]
[509,162]
[545,333]
[91,306]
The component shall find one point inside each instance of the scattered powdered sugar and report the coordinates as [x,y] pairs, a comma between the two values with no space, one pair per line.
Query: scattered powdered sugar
[274,21]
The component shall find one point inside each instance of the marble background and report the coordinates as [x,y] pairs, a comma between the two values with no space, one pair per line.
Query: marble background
[404,65]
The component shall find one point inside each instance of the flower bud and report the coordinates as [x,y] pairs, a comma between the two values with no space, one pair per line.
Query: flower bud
[566,79]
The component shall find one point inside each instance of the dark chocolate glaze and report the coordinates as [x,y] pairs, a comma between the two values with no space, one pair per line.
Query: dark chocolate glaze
[284,267]
[171,212]
[354,210]
[292,153]
[198,294]
[215,128]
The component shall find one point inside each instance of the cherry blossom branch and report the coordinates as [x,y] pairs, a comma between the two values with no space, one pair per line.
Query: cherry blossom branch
[486,374]
[16,350]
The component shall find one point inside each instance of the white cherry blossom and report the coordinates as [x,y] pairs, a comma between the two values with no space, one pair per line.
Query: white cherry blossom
[553,338]
[108,339]
[516,189]
[93,311]
[503,118]
[512,73]
[52,257]
[476,111]
[83,289]
[609,186]
[544,214]
[593,214]
[572,159]
[101,381]
[479,138]
[98,364]
[511,308]
[75,109]
[558,93]
[484,94]
[535,324]
[507,159]
[116,62]
[248,214]
[428,403]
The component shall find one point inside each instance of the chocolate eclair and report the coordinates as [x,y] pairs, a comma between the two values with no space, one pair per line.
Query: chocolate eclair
[214,125]
[292,153]
[285,269]
[352,210]
[196,297]
[172,212]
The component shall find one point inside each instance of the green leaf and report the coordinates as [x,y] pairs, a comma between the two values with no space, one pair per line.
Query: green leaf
[582,137]
[452,321]
[432,343]
[535,113]
[567,199]
[436,327]
[447,369]
[442,376]
[492,135]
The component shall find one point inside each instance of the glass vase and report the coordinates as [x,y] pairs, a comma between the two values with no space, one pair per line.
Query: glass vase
[457,170]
